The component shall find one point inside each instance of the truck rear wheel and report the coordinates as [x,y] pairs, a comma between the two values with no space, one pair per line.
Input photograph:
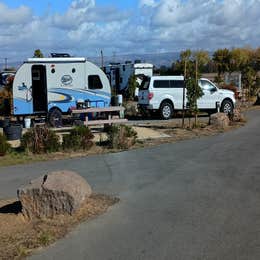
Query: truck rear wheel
[166,110]
[55,117]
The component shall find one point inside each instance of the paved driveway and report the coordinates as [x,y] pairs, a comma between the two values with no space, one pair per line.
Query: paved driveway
[197,199]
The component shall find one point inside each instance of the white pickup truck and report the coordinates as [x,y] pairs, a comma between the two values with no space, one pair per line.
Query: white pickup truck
[165,94]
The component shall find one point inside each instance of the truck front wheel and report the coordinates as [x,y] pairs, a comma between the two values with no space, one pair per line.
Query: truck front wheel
[166,110]
[227,107]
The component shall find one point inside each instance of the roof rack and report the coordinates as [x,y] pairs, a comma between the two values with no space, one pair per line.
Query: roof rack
[60,55]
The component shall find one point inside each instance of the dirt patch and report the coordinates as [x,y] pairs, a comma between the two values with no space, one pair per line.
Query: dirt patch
[175,133]
[19,237]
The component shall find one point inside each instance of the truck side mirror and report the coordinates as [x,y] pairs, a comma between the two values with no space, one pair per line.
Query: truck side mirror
[213,90]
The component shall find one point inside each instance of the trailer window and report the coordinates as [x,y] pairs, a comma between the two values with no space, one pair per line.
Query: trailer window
[94,82]
[35,74]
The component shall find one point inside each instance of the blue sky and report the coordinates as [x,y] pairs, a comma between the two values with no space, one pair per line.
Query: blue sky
[41,6]
[84,27]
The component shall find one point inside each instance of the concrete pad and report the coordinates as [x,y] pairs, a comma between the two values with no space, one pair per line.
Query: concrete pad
[142,134]
[147,133]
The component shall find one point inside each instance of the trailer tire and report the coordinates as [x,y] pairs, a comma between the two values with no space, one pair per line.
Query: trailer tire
[55,117]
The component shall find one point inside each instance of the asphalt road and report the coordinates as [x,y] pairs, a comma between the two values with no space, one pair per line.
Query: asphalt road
[197,199]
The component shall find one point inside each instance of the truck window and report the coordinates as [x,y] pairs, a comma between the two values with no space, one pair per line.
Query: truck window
[145,83]
[176,83]
[94,82]
[206,85]
[161,84]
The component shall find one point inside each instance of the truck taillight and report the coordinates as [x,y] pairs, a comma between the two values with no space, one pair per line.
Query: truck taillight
[150,95]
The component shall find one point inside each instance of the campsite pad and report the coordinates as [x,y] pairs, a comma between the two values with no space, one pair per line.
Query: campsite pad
[142,134]
[148,133]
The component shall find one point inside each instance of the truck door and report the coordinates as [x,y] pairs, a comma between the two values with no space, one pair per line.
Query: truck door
[39,89]
[210,97]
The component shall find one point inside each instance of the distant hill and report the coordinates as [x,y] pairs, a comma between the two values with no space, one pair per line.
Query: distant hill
[157,59]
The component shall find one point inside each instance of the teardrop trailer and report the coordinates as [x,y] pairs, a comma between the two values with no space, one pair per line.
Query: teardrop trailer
[53,87]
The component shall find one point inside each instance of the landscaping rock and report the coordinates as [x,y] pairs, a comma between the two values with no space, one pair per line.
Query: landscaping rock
[219,120]
[237,116]
[131,109]
[60,192]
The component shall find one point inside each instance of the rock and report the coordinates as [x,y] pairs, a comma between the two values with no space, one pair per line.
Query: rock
[60,192]
[257,102]
[131,109]
[219,120]
[236,115]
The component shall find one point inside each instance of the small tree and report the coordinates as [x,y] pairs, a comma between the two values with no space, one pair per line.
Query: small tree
[194,91]
[132,85]
[38,54]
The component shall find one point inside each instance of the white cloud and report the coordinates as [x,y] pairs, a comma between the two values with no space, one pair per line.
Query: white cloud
[147,3]
[155,26]
[10,16]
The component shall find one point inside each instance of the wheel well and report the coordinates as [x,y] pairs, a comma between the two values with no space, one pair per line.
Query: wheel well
[228,99]
[53,109]
[167,100]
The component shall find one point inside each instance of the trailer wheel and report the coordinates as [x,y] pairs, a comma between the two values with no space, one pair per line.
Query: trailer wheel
[55,117]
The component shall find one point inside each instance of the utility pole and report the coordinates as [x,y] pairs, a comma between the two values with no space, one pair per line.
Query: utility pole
[102,60]
[183,93]
[5,63]
[196,77]
[114,56]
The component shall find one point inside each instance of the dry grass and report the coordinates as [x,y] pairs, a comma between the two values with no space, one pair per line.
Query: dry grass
[19,237]
[176,133]
[23,158]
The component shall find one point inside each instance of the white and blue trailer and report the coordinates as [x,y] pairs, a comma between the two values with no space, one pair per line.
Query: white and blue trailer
[54,86]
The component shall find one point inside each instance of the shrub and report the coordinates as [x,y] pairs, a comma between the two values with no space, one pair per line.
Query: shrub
[4,145]
[121,137]
[79,138]
[40,140]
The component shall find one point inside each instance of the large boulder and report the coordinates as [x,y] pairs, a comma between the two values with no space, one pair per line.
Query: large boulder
[60,192]
[219,120]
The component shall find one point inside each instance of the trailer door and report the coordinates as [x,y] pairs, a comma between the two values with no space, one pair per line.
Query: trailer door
[39,89]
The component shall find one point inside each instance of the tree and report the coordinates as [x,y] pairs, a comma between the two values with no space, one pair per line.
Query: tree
[222,57]
[194,91]
[249,80]
[202,58]
[185,58]
[239,59]
[38,54]
[132,85]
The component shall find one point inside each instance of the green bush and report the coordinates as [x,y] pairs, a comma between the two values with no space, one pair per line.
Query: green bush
[40,140]
[121,137]
[4,145]
[79,138]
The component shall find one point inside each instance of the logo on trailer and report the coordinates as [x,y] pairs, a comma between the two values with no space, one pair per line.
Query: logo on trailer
[66,80]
